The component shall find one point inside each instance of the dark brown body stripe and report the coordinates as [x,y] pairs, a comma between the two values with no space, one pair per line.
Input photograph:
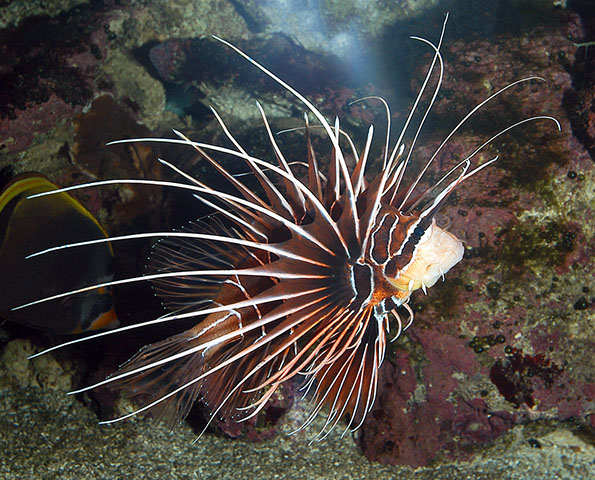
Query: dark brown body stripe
[363,283]
[380,245]
[408,242]
[392,243]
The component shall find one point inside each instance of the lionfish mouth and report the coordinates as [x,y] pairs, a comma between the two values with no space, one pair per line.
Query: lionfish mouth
[300,280]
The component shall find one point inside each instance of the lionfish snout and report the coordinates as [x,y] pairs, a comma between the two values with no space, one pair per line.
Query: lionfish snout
[408,252]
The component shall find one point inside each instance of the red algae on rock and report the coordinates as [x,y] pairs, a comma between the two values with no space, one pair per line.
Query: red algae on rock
[513,375]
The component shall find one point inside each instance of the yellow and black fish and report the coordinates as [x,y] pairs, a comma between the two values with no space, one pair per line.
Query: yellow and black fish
[30,225]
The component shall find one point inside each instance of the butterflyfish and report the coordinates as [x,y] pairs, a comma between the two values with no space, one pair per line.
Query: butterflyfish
[29,225]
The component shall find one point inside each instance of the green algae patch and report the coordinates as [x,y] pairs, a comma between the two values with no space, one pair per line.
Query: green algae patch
[537,247]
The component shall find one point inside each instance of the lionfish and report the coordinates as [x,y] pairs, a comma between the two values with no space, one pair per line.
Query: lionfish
[301,280]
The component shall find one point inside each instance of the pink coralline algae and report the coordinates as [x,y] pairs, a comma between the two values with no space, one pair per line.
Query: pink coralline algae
[415,422]
[48,72]
[476,425]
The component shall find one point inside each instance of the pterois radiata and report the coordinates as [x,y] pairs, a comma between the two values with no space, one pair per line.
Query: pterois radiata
[301,280]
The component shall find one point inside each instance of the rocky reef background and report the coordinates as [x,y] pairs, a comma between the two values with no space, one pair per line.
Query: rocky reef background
[495,377]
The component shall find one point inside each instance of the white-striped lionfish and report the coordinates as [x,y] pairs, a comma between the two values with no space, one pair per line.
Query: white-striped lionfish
[300,280]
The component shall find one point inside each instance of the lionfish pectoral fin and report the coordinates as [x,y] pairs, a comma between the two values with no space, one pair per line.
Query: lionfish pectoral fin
[164,373]
[186,293]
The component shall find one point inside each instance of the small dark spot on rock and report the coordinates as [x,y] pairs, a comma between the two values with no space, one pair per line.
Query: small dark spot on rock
[462,213]
[472,252]
[95,51]
[571,174]
[389,447]
[494,289]
[469,288]
[581,304]
[508,349]
[500,233]
[496,325]
[585,289]
[500,338]
[534,443]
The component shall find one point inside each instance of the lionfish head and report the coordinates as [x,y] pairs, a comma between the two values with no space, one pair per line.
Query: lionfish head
[434,251]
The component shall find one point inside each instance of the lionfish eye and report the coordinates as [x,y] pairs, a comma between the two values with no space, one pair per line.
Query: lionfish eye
[418,232]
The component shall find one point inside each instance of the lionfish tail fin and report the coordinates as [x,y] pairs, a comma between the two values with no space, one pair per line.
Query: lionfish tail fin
[162,384]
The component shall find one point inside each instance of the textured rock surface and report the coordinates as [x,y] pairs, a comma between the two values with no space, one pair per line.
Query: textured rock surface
[46,434]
